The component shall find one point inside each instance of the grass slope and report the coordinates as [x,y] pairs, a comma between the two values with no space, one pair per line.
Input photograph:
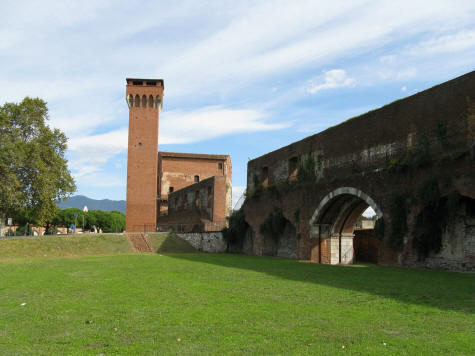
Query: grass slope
[86,245]
[149,304]
[64,245]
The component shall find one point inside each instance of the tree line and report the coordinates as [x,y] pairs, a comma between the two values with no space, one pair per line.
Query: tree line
[107,221]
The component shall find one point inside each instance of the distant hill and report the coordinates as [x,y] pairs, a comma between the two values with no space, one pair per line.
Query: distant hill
[79,201]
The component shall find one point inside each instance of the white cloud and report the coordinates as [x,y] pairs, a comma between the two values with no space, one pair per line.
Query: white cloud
[407,73]
[448,44]
[98,149]
[404,88]
[389,59]
[198,125]
[237,195]
[335,78]
[91,152]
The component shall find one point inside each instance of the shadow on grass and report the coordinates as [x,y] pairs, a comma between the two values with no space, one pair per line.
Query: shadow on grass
[440,289]
[169,243]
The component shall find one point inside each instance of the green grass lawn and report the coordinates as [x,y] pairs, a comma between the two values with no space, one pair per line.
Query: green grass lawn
[151,304]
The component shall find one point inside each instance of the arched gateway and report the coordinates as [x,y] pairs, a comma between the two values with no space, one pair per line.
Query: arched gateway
[333,223]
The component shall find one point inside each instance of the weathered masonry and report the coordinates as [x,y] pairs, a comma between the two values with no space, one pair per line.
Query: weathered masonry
[202,206]
[412,161]
[179,170]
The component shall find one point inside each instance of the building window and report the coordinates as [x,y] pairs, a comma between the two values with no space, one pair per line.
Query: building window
[197,199]
[265,176]
[293,168]
[220,165]
[197,179]
[170,190]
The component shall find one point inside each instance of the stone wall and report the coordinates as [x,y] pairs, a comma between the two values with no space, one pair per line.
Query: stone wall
[363,162]
[458,244]
[206,241]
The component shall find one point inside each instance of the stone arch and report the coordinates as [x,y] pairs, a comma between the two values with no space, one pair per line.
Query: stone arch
[344,191]
[137,101]
[144,101]
[150,101]
[334,220]
[158,101]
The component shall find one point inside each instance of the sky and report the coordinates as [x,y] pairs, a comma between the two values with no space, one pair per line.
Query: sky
[241,77]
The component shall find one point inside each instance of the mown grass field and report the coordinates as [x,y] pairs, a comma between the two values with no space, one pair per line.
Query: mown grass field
[156,304]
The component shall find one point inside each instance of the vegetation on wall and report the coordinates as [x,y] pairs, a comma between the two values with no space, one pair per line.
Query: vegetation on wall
[427,230]
[274,224]
[237,227]
[257,189]
[306,171]
[441,133]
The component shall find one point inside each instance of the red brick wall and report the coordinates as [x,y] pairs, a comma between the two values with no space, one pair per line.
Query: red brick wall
[178,170]
[201,204]
[141,206]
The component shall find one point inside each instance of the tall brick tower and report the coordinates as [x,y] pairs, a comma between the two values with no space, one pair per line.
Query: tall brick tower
[144,97]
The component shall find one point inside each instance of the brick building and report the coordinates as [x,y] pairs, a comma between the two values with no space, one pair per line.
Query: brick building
[153,175]
[179,170]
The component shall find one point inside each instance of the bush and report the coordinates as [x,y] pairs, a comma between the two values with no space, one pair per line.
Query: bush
[236,231]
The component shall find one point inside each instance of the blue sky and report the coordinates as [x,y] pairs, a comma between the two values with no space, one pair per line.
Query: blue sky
[241,78]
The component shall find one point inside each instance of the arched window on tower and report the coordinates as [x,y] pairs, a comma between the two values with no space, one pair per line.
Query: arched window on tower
[150,102]
[144,101]
[158,101]
[137,101]
[130,101]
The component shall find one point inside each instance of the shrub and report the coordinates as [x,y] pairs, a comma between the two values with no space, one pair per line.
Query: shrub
[237,228]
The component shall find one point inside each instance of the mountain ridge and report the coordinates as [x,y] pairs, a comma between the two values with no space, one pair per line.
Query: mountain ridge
[79,201]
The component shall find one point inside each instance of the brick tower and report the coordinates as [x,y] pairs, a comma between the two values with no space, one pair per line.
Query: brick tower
[144,98]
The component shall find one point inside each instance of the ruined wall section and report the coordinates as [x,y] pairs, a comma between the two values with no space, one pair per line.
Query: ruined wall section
[373,154]
[179,170]
[373,140]
[197,207]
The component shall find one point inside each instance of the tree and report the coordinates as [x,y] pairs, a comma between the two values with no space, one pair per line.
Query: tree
[33,169]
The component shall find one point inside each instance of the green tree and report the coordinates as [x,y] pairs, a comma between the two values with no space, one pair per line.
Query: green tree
[33,169]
